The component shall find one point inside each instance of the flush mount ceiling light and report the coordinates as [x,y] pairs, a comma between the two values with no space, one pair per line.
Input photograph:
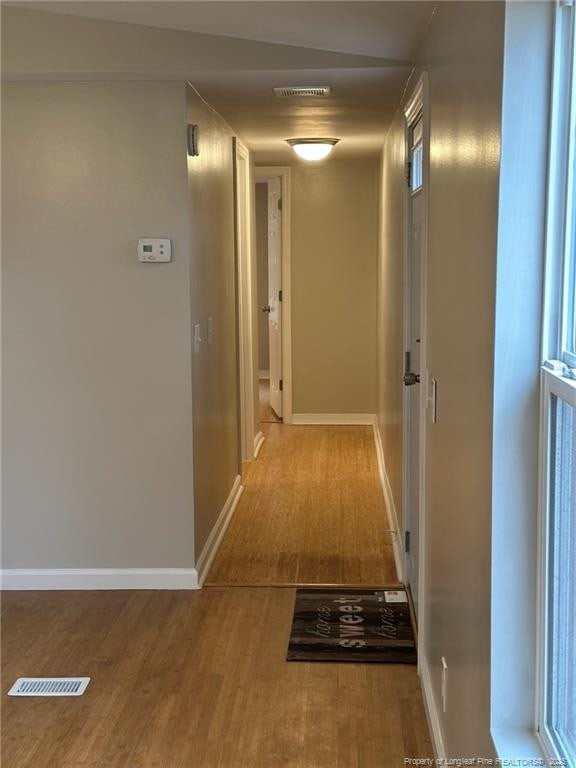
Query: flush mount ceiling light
[312,149]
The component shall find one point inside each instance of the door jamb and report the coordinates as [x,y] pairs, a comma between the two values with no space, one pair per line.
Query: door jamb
[246,302]
[265,173]
[419,102]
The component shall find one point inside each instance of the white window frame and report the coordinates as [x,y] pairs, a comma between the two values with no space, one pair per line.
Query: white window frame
[558,309]
[558,371]
[553,384]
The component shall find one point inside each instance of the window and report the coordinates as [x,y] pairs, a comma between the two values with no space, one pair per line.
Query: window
[560,715]
[416,155]
[556,710]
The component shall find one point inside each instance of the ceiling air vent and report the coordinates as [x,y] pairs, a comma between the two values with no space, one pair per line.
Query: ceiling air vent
[316,91]
[49,686]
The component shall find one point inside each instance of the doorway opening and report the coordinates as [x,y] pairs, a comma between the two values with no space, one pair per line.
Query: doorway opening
[272,203]
[415,378]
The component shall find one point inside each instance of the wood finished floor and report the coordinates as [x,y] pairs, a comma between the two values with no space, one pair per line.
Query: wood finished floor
[194,680]
[312,512]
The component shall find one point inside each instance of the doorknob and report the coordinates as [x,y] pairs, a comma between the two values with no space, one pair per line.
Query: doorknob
[411,378]
[266,308]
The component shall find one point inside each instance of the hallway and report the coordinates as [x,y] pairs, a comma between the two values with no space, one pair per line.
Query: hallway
[289,302]
[312,512]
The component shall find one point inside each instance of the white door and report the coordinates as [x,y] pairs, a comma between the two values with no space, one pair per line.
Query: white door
[275,293]
[412,361]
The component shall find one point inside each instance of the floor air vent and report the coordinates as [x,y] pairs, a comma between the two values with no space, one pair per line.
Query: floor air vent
[49,686]
[284,93]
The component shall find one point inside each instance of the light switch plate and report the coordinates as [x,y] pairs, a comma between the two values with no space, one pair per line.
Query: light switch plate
[433,399]
[197,339]
[154,249]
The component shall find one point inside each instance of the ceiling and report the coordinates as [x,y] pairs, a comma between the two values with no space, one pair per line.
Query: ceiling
[377,43]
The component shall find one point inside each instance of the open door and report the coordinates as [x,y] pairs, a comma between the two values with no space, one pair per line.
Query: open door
[274,307]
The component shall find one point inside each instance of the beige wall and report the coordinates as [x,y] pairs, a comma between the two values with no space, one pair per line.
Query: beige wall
[97,411]
[463,53]
[120,446]
[213,294]
[334,259]
[262,272]
[464,50]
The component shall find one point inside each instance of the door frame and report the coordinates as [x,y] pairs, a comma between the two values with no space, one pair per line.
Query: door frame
[245,302]
[265,173]
[418,103]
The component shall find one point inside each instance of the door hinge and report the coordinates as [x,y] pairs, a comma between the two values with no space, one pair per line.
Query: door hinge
[281,385]
[279,295]
[406,541]
[409,172]
[279,203]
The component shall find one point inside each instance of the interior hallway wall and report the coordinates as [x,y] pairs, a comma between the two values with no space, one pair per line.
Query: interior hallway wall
[334,263]
[262,272]
[463,54]
[120,445]
[464,51]
[97,450]
[213,295]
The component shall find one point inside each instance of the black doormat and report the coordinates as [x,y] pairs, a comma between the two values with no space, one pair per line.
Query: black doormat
[360,625]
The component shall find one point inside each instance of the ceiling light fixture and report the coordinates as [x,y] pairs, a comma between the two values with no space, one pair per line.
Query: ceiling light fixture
[312,149]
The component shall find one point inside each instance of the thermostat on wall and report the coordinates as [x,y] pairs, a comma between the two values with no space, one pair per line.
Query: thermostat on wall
[154,249]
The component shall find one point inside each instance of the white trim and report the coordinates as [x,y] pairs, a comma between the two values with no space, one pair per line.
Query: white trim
[432,715]
[334,419]
[543,554]
[265,173]
[418,103]
[413,106]
[258,443]
[246,297]
[127,578]
[98,578]
[516,744]
[425,402]
[554,332]
[217,533]
[390,505]
[564,389]
[263,375]
[558,164]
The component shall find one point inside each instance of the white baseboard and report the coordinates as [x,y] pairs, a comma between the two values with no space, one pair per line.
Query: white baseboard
[217,533]
[334,419]
[126,578]
[431,709]
[262,375]
[98,578]
[390,505]
[258,442]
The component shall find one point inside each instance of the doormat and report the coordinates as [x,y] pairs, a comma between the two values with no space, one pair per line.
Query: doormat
[359,625]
